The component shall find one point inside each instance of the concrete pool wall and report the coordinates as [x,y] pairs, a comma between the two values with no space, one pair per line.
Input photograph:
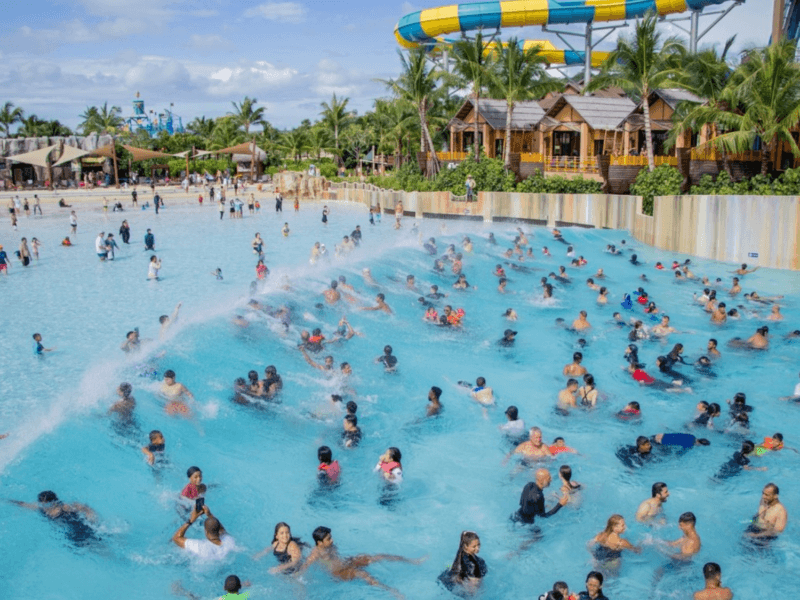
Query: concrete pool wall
[757,230]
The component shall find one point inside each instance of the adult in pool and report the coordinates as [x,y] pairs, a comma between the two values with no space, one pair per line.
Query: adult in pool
[125,406]
[380,300]
[738,462]
[770,521]
[217,543]
[153,268]
[607,546]
[175,392]
[689,543]
[125,232]
[651,508]
[712,573]
[287,549]
[594,587]
[531,501]
[638,455]
[75,519]
[684,441]
[534,447]
[575,368]
[347,569]
[434,402]
[468,569]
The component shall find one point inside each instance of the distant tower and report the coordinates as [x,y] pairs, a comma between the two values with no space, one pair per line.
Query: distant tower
[141,120]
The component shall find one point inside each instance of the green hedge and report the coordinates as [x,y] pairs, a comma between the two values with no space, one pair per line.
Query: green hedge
[539,184]
[786,184]
[664,180]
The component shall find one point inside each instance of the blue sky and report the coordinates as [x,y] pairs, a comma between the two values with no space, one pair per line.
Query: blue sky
[58,57]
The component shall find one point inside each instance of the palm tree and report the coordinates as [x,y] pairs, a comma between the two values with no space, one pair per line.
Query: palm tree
[226,133]
[101,120]
[418,85]
[54,129]
[319,141]
[10,115]
[201,126]
[705,74]
[336,117]
[400,118]
[31,126]
[760,102]
[639,66]
[472,62]
[518,75]
[294,143]
[245,115]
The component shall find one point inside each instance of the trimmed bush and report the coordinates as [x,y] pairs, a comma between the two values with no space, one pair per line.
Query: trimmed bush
[665,180]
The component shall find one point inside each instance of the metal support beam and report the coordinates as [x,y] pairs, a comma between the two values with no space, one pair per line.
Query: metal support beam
[694,23]
[694,20]
[587,59]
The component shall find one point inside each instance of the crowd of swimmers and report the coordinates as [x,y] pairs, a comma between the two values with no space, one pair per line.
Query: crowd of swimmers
[465,574]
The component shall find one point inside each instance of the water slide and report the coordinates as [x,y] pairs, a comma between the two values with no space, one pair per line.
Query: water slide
[791,25]
[424,27]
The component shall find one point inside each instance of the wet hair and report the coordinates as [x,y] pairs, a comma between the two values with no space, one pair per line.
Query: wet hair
[387,349]
[169,373]
[125,388]
[577,356]
[634,404]
[467,537]
[566,472]
[352,407]
[588,379]
[395,454]
[714,409]
[596,575]
[352,419]
[154,434]
[713,340]
[658,487]
[336,398]
[342,279]
[641,440]
[320,533]
[512,413]
[603,290]
[435,288]
[480,381]
[558,439]
[271,370]
[324,454]
[590,280]
[711,570]
[703,442]
[748,447]
[192,470]
[47,496]
[437,391]
[687,517]
[381,297]
[334,284]
[252,376]
[572,381]
[561,587]
[772,486]
[778,437]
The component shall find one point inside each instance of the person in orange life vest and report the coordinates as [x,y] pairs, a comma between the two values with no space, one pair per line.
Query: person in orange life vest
[431,314]
[328,470]
[499,271]
[389,465]
[559,446]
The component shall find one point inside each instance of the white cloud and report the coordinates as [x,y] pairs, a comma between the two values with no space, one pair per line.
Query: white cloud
[258,78]
[209,43]
[283,12]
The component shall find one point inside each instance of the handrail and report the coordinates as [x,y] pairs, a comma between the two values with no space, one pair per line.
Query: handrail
[641,161]
[714,154]
[531,157]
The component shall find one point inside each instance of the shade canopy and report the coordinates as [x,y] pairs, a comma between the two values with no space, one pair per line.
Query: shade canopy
[69,154]
[142,154]
[245,148]
[37,157]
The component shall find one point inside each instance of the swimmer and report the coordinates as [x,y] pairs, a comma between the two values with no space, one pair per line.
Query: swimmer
[285,230]
[775,314]
[713,590]
[153,268]
[575,368]
[174,392]
[332,295]
[602,296]
[481,393]
[531,501]
[607,546]
[534,447]
[351,432]
[559,446]
[681,440]
[326,366]
[132,342]
[566,397]
[347,569]
[588,392]
[770,521]
[743,270]
[75,518]
[507,341]
[514,427]
[712,350]
[652,507]
[510,314]
[739,462]
[286,548]
[638,455]
[594,588]
[126,404]
[380,299]
[735,288]
[388,360]
[581,323]
[167,321]
[568,486]
[328,470]
[632,410]
[689,543]
[663,329]
[217,273]
[600,274]
[434,407]
[501,288]
[157,445]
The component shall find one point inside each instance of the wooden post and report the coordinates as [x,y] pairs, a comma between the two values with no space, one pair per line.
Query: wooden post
[187,169]
[777,21]
[252,160]
[373,160]
[114,158]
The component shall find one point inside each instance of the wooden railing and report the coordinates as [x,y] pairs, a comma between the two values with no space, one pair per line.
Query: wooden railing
[714,154]
[641,161]
[570,164]
[531,157]
[449,156]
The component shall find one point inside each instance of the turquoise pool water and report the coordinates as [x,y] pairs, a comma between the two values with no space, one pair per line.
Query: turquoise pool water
[262,461]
